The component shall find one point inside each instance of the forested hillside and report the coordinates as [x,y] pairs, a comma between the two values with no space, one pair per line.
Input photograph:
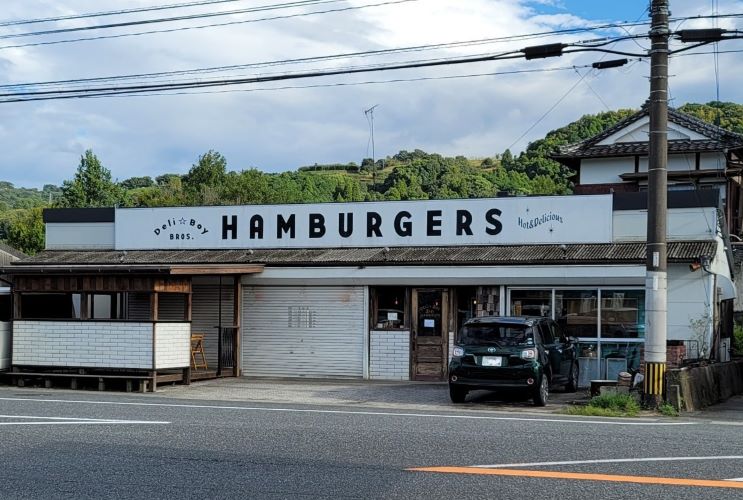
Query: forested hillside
[408,175]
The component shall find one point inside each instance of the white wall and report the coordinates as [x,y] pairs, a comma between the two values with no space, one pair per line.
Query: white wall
[687,162]
[688,299]
[172,345]
[605,170]
[5,339]
[682,224]
[85,344]
[639,131]
[389,355]
[79,235]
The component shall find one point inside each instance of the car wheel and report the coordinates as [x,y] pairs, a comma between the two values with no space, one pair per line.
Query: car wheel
[457,393]
[572,384]
[542,391]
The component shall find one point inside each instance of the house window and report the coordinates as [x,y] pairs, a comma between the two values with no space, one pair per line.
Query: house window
[389,307]
[106,306]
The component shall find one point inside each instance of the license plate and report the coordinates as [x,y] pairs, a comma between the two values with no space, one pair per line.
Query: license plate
[492,361]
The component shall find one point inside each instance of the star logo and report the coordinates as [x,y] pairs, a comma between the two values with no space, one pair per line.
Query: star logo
[182,221]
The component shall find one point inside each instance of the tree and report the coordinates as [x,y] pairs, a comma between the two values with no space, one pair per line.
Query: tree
[137,182]
[92,186]
[25,230]
[205,181]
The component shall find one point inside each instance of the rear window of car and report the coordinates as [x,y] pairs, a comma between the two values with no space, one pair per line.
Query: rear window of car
[496,334]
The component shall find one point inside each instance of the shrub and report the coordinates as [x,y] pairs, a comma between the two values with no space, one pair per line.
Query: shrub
[738,340]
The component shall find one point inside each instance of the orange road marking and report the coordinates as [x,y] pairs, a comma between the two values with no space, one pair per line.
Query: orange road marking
[672,481]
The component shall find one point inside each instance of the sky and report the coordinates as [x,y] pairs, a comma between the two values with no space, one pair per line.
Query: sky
[280,126]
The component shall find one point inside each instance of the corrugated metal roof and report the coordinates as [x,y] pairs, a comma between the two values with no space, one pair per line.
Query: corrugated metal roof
[613,253]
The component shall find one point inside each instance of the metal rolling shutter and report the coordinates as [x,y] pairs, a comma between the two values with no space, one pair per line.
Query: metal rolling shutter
[303,331]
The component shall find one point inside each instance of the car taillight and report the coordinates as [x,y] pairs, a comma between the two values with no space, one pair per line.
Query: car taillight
[457,352]
[529,354]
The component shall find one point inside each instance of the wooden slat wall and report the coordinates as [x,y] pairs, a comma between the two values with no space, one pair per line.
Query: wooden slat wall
[101,284]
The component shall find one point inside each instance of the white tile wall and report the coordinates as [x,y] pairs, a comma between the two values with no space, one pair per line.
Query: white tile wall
[86,344]
[389,355]
[172,345]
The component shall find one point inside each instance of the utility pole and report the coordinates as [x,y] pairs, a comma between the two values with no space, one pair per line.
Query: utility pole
[656,285]
[369,113]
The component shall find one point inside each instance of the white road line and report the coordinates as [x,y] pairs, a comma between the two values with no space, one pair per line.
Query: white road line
[738,479]
[87,422]
[72,420]
[60,418]
[350,412]
[612,461]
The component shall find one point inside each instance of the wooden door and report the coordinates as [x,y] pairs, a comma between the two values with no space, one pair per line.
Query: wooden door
[429,333]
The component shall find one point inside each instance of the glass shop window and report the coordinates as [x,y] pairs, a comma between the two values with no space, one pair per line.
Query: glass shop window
[389,308]
[531,303]
[576,312]
[623,314]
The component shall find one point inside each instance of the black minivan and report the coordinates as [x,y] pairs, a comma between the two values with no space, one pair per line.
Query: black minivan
[519,353]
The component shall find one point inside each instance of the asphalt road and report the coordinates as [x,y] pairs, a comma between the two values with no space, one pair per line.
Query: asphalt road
[58,444]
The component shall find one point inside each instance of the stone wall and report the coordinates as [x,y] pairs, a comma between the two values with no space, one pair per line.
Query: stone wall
[702,386]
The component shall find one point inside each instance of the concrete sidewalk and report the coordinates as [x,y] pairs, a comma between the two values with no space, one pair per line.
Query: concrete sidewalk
[370,394]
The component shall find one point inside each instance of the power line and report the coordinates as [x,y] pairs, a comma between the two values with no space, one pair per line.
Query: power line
[70,17]
[370,53]
[184,28]
[334,84]
[214,25]
[261,79]
[185,17]
[132,89]
[557,103]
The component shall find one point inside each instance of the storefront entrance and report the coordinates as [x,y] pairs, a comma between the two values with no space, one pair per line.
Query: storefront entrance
[429,333]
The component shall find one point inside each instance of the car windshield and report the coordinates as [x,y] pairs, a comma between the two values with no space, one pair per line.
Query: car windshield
[498,334]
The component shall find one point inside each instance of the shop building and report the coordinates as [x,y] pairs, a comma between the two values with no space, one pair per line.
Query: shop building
[359,290]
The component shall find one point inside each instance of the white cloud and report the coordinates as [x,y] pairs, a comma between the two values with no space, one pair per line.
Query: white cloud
[283,129]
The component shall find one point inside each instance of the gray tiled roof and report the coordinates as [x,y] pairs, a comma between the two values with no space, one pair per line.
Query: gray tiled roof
[611,253]
[5,248]
[640,148]
[718,139]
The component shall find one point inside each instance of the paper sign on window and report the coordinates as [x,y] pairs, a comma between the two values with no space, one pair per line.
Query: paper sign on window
[391,316]
[429,323]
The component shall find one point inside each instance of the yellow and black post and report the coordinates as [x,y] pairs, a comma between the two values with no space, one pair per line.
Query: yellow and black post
[655,376]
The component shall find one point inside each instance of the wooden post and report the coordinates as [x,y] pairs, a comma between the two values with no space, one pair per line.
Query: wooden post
[236,313]
[189,306]
[153,306]
[16,305]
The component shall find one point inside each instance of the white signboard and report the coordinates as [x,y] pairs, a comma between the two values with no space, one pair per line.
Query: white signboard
[491,221]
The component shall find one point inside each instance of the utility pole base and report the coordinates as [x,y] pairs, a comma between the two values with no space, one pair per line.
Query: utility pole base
[654,383]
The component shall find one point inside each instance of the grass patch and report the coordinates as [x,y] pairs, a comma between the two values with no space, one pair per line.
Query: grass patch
[608,405]
[668,410]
